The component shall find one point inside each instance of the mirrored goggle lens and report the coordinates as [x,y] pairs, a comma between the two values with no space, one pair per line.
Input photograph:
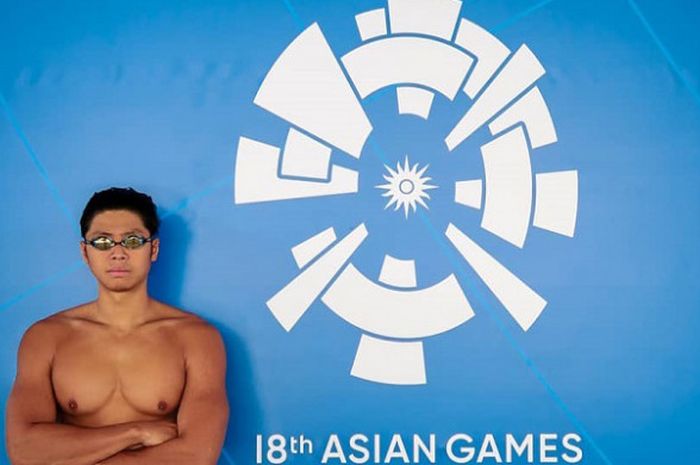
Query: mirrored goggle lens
[102,243]
[133,242]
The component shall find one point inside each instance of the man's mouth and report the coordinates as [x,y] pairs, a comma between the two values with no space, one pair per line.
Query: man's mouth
[118,272]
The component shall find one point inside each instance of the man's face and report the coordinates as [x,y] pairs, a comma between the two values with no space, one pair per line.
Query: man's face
[119,269]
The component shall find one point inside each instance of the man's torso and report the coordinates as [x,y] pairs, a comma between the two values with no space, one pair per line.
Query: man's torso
[102,377]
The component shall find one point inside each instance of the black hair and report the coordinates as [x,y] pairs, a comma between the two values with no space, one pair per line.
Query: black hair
[120,198]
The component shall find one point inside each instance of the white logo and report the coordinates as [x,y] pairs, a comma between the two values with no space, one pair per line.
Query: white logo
[406,187]
[421,48]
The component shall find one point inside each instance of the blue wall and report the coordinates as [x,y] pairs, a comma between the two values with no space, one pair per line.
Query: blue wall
[155,95]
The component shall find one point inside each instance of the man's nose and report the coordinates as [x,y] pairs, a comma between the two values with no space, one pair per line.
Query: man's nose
[118,252]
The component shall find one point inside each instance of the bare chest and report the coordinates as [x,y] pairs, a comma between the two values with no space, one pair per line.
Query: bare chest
[114,379]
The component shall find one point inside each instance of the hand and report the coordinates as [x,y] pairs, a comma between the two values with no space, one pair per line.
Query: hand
[157,432]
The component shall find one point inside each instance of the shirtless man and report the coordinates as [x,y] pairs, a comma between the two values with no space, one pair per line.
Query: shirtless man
[125,379]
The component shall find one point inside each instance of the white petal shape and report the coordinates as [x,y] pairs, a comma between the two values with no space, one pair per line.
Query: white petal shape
[292,301]
[407,60]
[532,111]
[519,73]
[414,101]
[436,18]
[398,273]
[508,187]
[557,202]
[524,304]
[256,177]
[306,86]
[468,193]
[389,362]
[371,24]
[311,248]
[397,313]
[489,51]
[305,157]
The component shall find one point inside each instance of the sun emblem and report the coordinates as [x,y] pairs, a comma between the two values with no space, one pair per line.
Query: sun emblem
[407,186]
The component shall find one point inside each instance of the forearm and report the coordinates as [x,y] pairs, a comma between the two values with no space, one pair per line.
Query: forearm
[60,444]
[179,451]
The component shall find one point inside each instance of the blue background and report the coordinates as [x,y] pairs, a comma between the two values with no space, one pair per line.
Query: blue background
[156,94]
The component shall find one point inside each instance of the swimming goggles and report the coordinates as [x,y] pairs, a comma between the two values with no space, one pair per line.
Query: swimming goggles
[131,242]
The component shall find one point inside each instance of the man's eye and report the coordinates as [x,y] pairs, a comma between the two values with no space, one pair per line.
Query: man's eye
[102,242]
[133,242]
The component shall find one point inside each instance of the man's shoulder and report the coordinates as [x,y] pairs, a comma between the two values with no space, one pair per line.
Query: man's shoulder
[188,325]
[44,335]
[201,343]
[55,324]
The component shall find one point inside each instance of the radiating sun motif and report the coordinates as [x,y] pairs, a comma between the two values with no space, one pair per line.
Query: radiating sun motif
[406,187]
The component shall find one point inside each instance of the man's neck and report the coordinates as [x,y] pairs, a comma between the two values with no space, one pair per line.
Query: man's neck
[123,310]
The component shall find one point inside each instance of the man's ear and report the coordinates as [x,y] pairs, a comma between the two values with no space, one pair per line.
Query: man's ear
[155,248]
[83,252]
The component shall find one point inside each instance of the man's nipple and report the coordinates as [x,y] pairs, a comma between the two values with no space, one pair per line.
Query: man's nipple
[162,406]
[72,405]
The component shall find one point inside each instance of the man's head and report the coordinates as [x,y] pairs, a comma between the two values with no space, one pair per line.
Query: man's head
[119,244]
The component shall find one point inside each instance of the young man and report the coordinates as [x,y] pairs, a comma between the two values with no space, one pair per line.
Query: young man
[124,379]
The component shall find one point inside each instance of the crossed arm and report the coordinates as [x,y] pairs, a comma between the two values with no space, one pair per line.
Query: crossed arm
[34,437]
